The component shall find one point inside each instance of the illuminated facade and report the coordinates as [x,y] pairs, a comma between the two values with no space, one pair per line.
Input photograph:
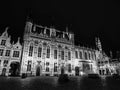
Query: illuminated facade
[47,51]
[10,55]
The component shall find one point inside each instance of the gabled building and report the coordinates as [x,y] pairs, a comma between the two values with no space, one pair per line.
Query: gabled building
[10,55]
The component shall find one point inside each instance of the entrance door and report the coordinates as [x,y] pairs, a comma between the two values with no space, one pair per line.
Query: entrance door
[38,71]
[3,71]
[77,71]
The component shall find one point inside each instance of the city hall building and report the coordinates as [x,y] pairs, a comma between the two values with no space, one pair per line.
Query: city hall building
[47,51]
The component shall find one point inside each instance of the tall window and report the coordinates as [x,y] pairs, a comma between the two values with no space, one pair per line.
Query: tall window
[39,51]
[69,68]
[16,54]
[47,69]
[29,66]
[55,54]
[69,55]
[7,53]
[89,56]
[62,55]
[1,52]
[76,54]
[3,42]
[30,50]
[0,62]
[55,67]
[48,52]
[80,55]
[5,63]
[86,56]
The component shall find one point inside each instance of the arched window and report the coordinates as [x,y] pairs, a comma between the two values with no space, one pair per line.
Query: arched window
[80,55]
[30,50]
[76,54]
[55,54]
[39,51]
[86,55]
[48,52]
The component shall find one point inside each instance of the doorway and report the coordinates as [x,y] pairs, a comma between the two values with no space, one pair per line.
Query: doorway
[77,71]
[3,71]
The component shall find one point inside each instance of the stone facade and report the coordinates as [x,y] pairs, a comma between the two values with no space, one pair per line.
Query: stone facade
[47,51]
[10,55]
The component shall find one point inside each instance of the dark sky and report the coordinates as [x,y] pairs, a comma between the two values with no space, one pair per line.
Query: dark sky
[87,19]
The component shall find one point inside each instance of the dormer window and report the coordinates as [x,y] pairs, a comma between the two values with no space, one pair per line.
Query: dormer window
[3,42]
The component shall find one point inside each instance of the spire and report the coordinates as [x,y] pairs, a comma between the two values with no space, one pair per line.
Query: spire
[98,44]
[18,40]
[5,34]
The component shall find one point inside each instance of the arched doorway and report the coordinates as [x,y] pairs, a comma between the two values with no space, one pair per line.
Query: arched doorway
[77,71]
[14,69]
[3,72]
[38,71]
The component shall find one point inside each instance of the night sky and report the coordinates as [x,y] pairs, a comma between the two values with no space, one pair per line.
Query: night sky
[84,18]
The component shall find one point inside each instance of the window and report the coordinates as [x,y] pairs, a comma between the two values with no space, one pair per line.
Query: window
[69,68]
[80,55]
[47,69]
[62,55]
[69,55]
[29,66]
[47,63]
[48,52]
[55,54]
[5,63]
[7,53]
[16,54]
[39,51]
[76,54]
[0,62]
[55,67]
[30,50]
[86,56]
[1,52]
[3,42]
[89,56]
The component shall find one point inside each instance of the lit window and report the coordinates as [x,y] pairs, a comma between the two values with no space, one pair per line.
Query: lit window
[80,55]
[16,54]
[7,53]
[62,55]
[1,52]
[3,42]
[55,54]
[76,54]
[69,55]
[39,51]
[48,52]
[47,69]
[29,66]
[30,50]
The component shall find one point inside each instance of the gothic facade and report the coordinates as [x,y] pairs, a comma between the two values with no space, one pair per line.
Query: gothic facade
[47,51]
[10,55]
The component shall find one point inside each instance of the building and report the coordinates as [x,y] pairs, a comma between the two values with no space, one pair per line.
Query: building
[47,51]
[10,55]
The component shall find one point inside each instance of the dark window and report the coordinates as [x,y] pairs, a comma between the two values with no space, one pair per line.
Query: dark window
[5,63]
[62,55]
[1,52]
[76,54]
[47,69]
[86,56]
[55,67]
[47,63]
[29,66]
[69,68]
[7,53]
[30,50]
[3,42]
[55,54]
[16,54]
[39,51]
[80,55]
[89,56]
[48,52]
[0,62]
[69,55]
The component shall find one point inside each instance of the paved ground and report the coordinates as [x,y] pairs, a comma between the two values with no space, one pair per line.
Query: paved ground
[50,83]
